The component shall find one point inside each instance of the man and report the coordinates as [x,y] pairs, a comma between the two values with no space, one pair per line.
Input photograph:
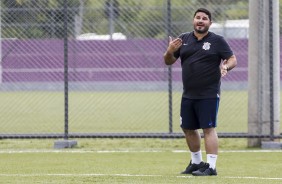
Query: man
[205,58]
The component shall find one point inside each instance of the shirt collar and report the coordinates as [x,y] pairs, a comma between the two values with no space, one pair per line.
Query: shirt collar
[207,35]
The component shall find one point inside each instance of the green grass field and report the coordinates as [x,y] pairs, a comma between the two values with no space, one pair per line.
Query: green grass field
[104,112]
[131,161]
[121,160]
[92,112]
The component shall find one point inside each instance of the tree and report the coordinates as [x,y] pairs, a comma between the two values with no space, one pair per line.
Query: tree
[111,7]
[38,19]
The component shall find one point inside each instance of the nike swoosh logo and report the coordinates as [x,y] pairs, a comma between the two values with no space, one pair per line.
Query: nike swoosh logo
[185,44]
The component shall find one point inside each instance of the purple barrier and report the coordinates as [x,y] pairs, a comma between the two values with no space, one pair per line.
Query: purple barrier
[121,60]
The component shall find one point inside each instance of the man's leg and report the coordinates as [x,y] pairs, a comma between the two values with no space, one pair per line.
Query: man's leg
[193,140]
[211,145]
[189,124]
[207,114]
[211,141]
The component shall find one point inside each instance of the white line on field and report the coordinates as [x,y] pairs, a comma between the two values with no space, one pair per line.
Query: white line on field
[131,175]
[237,177]
[81,175]
[80,151]
[127,151]
[236,151]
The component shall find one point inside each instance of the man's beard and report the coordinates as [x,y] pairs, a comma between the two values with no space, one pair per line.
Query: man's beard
[202,31]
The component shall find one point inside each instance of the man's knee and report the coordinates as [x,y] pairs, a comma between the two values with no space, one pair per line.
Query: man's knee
[188,132]
[209,131]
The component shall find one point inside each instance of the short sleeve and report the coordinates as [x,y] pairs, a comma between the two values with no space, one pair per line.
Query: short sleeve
[225,51]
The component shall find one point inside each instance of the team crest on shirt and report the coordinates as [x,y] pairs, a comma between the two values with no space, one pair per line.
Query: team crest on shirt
[206,46]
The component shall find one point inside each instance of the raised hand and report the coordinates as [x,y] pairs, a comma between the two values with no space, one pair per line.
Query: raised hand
[174,44]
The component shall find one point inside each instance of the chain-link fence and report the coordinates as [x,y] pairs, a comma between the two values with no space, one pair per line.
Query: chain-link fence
[94,68]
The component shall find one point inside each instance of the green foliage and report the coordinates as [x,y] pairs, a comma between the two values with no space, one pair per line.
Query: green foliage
[239,11]
[138,18]
[37,19]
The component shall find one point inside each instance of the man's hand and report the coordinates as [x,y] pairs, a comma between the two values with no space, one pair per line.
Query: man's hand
[227,65]
[224,68]
[174,44]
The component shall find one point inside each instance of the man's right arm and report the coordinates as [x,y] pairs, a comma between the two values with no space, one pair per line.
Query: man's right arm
[169,58]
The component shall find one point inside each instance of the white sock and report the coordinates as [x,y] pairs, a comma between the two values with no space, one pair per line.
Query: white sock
[211,159]
[196,157]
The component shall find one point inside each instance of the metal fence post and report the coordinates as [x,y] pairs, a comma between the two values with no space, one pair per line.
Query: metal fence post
[66,143]
[168,23]
[66,90]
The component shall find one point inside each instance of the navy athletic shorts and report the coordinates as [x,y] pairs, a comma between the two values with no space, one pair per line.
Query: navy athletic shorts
[198,113]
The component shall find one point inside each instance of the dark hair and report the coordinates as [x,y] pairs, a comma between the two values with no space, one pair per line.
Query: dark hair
[204,11]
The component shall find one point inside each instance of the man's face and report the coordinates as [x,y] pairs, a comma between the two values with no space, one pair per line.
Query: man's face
[201,23]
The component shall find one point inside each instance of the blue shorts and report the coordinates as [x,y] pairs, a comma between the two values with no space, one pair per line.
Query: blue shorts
[198,113]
